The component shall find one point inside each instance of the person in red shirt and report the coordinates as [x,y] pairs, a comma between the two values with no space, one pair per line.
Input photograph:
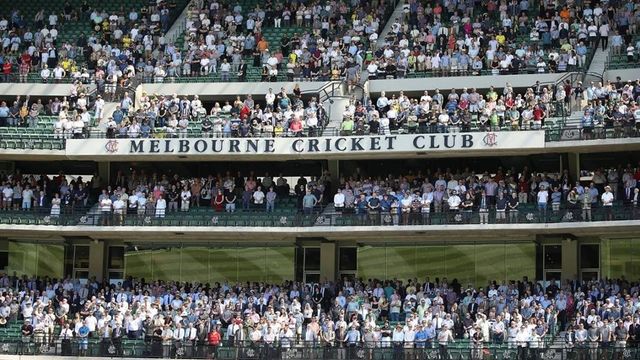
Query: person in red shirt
[296,127]
[213,339]
[25,66]
[6,71]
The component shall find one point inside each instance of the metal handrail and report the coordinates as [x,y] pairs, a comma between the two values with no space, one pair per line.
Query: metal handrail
[288,216]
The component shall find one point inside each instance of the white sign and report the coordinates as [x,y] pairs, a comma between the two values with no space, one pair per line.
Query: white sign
[300,147]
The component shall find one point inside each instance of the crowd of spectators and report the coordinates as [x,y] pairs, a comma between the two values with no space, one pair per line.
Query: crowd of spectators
[413,198]
[225,39]
[219,38]
[501,37]
[114,43]
[193,319]
[408,199]
[615,105]
[73,112]
[280,114]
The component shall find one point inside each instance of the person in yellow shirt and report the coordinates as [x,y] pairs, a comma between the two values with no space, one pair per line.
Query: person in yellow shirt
[293,57]
[66,65]
[500,38]
[126,41]
[278,130]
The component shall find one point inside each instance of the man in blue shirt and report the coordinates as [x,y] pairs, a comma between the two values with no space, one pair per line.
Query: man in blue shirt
[4,113]
[420,338]
[118,115]
[353,340]
[430,332]
[308,203]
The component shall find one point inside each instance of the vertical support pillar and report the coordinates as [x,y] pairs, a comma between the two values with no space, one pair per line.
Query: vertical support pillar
[569,260]
[97,253]
[574,166]
[328,256]
[334,170]
[104,171]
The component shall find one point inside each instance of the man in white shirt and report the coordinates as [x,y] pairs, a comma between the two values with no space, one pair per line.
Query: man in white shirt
[59,73]
[7,197]
[178,337]
[185,197]
[270,98]
[607,202]
[105,209]
[119,210]
[45,73]
[99,108]
[338,201]
[444,338]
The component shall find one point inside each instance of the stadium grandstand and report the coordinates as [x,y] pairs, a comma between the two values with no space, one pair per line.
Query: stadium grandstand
[376,180]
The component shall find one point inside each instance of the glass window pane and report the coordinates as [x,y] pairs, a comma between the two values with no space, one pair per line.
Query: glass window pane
[116,257]
[138,263]
[36,259]
[51,260]
[401,262]
[490,264]
[372,263]
[223,264]
[633,270]
[81,257]
[251,264]
[552,257]
[620,258]
[280,264]
[195,265]
[460,264]
[166,263]
[430,262]
[348,259]
[590,256]
[22,258]
[520,261]
[311,259]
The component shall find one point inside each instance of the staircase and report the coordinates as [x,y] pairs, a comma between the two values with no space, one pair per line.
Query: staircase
[335,111]
[599,62]
[109,108]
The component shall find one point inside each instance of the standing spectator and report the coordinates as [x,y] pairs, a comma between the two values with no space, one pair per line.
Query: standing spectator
[607,203]
[309,201]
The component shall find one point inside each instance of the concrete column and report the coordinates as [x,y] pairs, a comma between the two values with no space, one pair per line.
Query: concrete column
[104,171]
[574,165]
[97,254]
[569,260]
[334,170]
[328,258]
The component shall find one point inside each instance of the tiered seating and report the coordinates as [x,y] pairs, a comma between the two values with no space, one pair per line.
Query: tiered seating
[254,74]
[620,61]
[41,137]
[70,31]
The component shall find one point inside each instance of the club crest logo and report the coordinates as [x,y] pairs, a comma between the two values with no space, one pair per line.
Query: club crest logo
[490,139]
[111,146]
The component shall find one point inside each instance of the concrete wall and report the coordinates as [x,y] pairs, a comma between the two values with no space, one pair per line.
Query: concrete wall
[625,74]
[36,89]
[227,89]
[458,82]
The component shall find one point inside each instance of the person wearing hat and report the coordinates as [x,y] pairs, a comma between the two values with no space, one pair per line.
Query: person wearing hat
[353,340]
[397,339]
[444,338]
[607,202]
